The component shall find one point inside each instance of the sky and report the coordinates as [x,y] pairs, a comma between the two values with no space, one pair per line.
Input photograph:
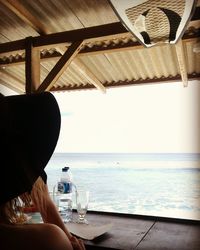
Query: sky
[156,118]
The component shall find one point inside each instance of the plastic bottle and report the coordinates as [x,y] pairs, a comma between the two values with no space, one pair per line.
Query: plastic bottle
[65,195]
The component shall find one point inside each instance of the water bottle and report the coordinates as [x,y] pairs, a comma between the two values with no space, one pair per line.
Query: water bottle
[65,195]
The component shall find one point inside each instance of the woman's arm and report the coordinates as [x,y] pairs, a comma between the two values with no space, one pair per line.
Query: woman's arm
[45,205]
[48,210]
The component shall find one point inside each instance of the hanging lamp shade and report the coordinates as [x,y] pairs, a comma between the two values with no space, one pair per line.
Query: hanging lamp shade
[155,21]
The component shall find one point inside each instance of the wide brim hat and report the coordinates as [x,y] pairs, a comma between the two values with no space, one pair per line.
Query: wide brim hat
[29,131]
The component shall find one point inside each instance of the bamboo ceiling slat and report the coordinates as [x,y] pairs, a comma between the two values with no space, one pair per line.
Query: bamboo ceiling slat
[11,84]
[133,65]
[113,68]
[127,65]
[190,58]
[154,58]
[12,27]
[93,12]
[162,54]
[136,64]
[154,62]
[145,63]
[110,69]
[89,61]
[62,82]
[196,58]
[101,62]
[54,14]
[71,77]
[3,39]
[197,63]
[76,77]
[68,80]
[66,14]
[115,57]
[170,60]
[12,80]
[17,73]
[161,62]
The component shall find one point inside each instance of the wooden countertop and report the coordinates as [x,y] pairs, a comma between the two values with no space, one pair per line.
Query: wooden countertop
[144,233]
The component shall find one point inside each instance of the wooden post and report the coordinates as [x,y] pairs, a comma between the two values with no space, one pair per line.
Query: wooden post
[32,66]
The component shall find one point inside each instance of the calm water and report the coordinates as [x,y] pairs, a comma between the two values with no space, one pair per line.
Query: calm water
[151,184]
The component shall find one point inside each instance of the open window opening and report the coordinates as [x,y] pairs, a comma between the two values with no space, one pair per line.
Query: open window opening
[136,148]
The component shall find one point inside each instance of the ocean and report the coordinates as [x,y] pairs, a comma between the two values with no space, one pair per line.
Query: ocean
[166,185]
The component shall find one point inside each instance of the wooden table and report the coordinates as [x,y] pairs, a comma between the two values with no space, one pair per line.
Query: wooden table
[144,233]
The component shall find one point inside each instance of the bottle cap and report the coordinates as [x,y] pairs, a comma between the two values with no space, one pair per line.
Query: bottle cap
[65,169]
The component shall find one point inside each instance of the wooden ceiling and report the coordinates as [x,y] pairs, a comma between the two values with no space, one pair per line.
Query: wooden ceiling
[68,45]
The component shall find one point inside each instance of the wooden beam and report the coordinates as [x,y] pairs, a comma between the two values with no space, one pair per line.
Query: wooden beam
[85,72]
[63,38]
[95,50]
[18,46]
[60,66]
[16,7]
[88,75]
[179,46]
[32,67]
[32,55]
[127,83]
[80,34]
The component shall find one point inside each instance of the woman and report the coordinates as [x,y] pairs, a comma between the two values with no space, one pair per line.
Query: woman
[29,127]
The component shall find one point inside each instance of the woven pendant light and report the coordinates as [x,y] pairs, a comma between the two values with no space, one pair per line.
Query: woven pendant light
[155,21]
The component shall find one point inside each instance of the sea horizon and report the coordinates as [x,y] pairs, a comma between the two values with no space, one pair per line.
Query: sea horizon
[137,160]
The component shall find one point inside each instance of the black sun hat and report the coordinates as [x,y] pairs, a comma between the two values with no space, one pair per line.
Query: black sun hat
[29,130]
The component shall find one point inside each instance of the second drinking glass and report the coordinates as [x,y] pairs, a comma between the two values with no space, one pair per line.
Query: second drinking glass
[82,200]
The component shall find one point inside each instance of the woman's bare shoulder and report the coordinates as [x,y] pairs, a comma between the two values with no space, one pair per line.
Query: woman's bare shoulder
[33,236]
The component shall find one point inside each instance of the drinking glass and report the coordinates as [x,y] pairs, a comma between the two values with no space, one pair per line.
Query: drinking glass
[82,199]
